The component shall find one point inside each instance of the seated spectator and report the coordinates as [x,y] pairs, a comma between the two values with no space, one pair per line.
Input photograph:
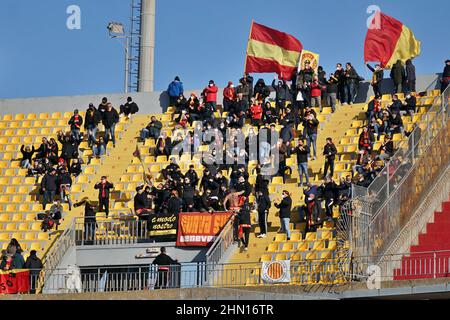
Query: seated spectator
[209,202]
[75,168]
[261,91]
[152,130]
[163,145]
[395,124]
[99,148]
[387,148]
[270,114]
[130,107]
[396,105]
[409,105]
[27,154]
[366,134]
[373,108]
[53,149]
[42,151]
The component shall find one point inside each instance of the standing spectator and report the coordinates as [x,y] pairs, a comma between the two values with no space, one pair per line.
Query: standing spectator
[89,218]
[69,146]
[310,213]
[174,90]
[316,94]
[246,85]
[27,154]
[281,94]
[210,93]
[302,152]
[48,187]
[340,75]
[34,264]
[256,113]
[245,225]
[332,91]
[152,130]
[303,82]
[12,260]
[141,210]
[410,70]
[174,203]
[377,78]
[91,122]
[75,123]
[351,80]
[64,182]
[75,168]
[398,76]
[55,213]
[103,105]
[103,194]
[130,107]
[261,91]
[110,118]
[285,213]
[329,151]
[310,124]
[445,80]
[263,206]
[42,151]
[163,261]
[229,96]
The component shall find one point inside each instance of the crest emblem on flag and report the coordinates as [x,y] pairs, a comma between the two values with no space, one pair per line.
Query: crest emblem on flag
[276,271]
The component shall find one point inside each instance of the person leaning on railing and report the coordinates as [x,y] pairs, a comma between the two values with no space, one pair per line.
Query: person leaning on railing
[163,261]
[89,218]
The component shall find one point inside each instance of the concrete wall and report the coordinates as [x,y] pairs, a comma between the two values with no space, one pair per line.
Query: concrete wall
[151,102]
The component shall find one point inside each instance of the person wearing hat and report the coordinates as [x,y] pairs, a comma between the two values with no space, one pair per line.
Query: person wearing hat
[130,107]
[103,105]
[91,121]
[377,78]
[210,94]
[174,90]
[103,188]
[48,187]
[75,123]
[445,80]
[229,96]
[285,206]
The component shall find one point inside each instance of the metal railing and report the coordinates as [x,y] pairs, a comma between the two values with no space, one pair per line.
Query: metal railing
[402,185]
[222,243]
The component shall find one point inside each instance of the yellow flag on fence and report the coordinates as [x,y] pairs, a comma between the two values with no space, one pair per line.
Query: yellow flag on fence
[312,57]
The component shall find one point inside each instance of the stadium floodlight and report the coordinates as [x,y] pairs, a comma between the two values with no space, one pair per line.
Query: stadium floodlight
[116,28]
[117,31]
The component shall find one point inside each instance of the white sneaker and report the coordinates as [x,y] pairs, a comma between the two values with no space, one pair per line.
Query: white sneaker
[245,249]
[263,235]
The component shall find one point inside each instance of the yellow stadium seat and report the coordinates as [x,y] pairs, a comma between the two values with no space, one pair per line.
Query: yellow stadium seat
[296,257]
[296,236]
[264,257]
[43,115]
[332,245]
[280,257]
[280,237]
[311,256]
[57,115]
[287,246]
[273,247]
[277,180]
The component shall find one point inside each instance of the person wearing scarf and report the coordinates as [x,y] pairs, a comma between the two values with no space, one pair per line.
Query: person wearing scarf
[103,194]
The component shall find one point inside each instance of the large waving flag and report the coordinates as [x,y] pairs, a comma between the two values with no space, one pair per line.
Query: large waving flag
[269,50]
[390,41]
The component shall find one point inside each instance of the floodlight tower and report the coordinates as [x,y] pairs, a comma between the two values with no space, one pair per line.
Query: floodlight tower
[147,44]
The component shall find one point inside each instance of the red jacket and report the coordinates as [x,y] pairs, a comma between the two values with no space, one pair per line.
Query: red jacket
[229,93]
[315,90]
[211,93]
[256,111]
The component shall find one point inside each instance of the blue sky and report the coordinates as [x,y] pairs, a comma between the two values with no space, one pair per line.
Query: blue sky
[197,40]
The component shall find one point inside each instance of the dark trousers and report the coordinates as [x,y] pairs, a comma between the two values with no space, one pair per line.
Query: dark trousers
[245,240]
[329,164]
[411,85]
[282,169]
[262,220]
[377,89]
[103,205]
[49,197]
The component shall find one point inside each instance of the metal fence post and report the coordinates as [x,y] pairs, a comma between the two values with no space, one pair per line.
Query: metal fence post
[434,265]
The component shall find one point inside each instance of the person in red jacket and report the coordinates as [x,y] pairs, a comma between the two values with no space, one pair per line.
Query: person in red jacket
[256,113]
[316,93]
[210,94]
[229,96]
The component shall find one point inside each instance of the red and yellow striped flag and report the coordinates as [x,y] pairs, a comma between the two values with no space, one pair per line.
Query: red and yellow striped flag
[269,50]
[388,41]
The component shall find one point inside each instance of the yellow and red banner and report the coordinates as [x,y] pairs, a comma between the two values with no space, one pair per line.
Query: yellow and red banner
[270,50]
[14,281]
[389,40]
[200,229]
[312,57]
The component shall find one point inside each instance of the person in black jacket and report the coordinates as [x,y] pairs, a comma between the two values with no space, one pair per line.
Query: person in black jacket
[377,78]
[261,91]
[48,187]
[281,94]
[285,207]
[152,130]
[34,264]
[91,122]
[27,154]
[310,124]
[174,203]
[130,107]
[103,194]
[398,76]
[310,214]
[89,219]
[302,152]
[141,210]
[163,261]
[75,123]
[188,195]
[64,183]
[263,205]
[410,70]
[110,118]
[329,151]
[245,225]
[351,81]
[69,146]
[329,191]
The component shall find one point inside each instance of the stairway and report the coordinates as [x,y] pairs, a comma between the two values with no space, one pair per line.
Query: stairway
[335,127]
[436,242]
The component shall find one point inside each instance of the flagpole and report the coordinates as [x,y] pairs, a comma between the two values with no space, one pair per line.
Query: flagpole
[246,50]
